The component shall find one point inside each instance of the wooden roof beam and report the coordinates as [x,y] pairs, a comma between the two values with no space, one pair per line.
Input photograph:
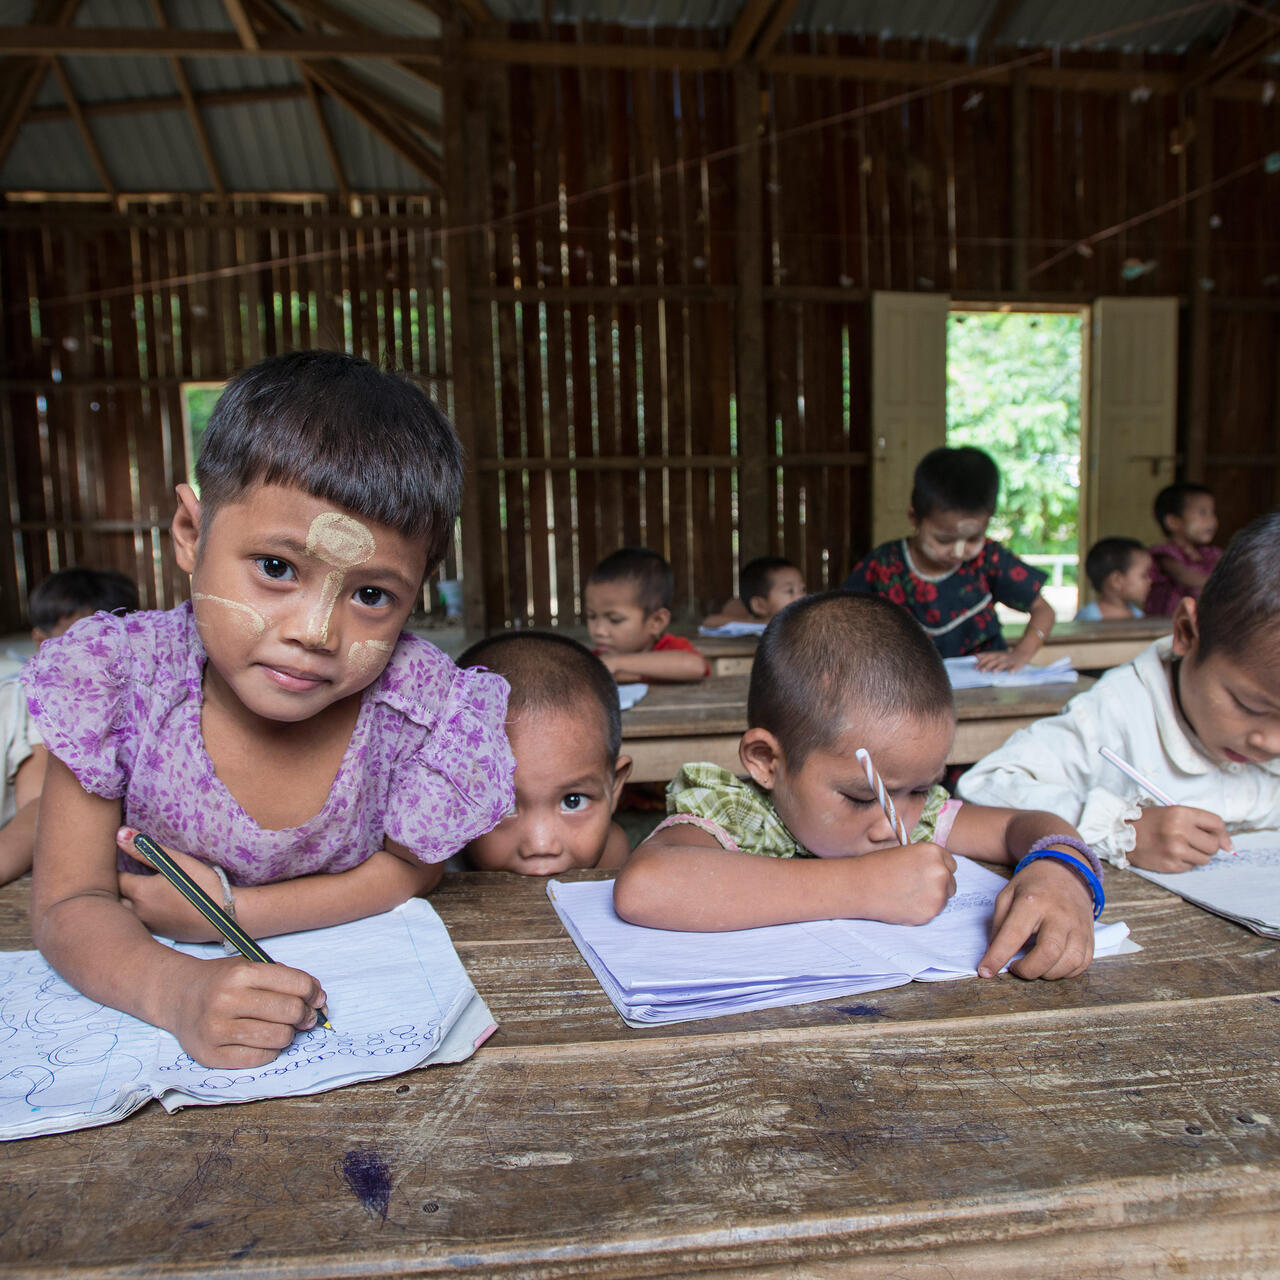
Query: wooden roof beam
[991,31]
[754,12]
[777,25]
[240,20]
[392,107]
[330,146]
[1253,39]
[24,76]
[214,98]
[42,40]
[86,134]
[339,20]
[193,111]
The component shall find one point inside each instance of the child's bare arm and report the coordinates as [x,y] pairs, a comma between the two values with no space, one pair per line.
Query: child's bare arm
[1039,625]
[733,610]
[680,878]
[225,1013]
[1046,900]
[391,876]
[1184,575]
[617,849]
[18,835]
[669,664]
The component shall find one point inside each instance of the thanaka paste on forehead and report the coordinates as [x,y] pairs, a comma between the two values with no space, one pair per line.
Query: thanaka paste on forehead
[342,541]
[255,621]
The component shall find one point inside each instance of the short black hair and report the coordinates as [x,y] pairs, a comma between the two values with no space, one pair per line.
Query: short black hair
[1108,556]
[78,590]
[549,672]
[655,583]
[1239,607]
[961,479]
[339,428]
[756,578]
[835,649]
[1172,500]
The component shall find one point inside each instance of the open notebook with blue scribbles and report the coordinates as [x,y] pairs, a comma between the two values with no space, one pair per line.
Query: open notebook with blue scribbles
[398,995]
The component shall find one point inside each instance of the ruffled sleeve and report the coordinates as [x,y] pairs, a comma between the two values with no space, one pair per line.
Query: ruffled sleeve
[80,692]
[459,782]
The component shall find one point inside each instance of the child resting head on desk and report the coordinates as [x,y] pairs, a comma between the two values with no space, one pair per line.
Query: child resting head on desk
[835,674]
[279,733]
[1197,713]
[627,602]
[948,574]
[565,729]
[766,586]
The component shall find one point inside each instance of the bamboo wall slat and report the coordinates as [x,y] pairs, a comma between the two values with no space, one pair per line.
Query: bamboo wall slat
[607,299]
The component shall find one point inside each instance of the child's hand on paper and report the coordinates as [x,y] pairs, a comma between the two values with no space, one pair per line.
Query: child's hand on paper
[1177,838]
[237,1013]
[911,883]
[1001,660]
[1051,902]
[159,905]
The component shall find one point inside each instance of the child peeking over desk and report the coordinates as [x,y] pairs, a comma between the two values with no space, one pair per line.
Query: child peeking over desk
[804,837]
[765,587]
[565,729]
[305,761]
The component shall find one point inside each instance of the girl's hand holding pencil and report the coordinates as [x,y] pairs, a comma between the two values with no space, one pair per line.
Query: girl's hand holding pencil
[1177,838]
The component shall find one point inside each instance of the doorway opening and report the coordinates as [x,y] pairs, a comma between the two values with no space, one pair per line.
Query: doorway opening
[1015,389]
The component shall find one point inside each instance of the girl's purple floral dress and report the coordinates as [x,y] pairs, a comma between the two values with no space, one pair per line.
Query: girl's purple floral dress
[428,765]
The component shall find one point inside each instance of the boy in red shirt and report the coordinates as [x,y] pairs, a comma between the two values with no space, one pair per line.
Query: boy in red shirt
[628,606]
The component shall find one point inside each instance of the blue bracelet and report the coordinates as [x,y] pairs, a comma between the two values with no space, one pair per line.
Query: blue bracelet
[1086,873]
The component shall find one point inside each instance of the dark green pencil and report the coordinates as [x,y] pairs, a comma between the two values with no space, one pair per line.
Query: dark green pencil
[206,906]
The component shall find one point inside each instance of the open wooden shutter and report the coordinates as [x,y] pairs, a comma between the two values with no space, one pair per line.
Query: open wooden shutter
[908,399]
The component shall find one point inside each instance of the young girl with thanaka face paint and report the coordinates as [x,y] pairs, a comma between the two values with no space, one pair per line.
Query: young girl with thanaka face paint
[280,727]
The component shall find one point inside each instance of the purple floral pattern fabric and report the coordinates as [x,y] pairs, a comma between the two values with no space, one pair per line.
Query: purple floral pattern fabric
[428,765]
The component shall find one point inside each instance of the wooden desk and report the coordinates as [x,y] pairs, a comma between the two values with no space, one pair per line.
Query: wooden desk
[676,723]
[1091,646]
[1120,1124]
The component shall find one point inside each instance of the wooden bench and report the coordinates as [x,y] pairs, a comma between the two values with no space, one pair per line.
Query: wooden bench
[1124,1123]
[1091,646]
[676,723]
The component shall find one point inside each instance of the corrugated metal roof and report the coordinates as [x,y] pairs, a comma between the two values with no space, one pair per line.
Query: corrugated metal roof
[277,145]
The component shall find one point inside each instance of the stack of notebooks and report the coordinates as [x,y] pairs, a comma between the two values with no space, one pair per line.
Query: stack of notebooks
[964,674]
[1244,887]
[658,976]
[398,998]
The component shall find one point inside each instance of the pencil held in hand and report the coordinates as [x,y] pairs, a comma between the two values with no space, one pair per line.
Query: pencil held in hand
[156,857]
[882,795]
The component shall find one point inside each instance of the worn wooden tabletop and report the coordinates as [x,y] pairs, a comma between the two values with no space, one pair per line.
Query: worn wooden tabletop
[676,723]
[1119,1124]
[1091,646]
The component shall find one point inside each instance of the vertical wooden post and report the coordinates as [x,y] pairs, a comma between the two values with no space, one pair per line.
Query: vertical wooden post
[1019,179]
[464,183]
[755,516]
[1201,314]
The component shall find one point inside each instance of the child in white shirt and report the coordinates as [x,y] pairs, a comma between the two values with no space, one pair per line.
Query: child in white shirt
[1198,713]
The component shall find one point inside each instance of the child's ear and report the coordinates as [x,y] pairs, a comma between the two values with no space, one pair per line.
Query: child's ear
[658,621]
[912,519]
[621,772]
[186,528]
[1186,627]
[761,755]
[758,606]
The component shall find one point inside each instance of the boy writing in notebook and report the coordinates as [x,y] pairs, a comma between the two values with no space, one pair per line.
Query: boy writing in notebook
[627,602]
[1198,713]
[948,574]
[565,730]
[804,838]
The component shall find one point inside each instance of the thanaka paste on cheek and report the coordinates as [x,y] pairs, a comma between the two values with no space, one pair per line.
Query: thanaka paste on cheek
[367,657]
[252,621]
[343,542]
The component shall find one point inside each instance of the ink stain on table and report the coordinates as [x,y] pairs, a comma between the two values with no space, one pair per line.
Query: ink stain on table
[368,1176]
[861,1011]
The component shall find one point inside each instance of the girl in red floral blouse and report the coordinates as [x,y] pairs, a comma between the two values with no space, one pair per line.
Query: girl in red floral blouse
[949,574]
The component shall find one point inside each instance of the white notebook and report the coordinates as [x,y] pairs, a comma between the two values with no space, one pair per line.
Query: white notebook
[398,998]
[662,975]
[732,630]
[964,674]
[1244,887]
